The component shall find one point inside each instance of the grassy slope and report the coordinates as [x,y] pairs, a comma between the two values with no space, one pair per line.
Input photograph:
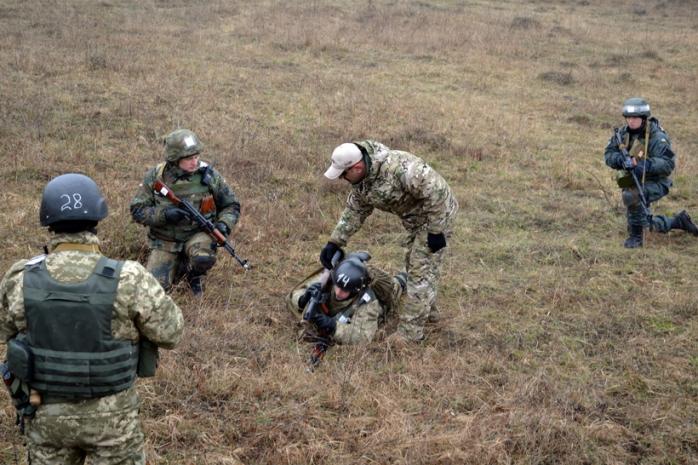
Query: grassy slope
[557,346]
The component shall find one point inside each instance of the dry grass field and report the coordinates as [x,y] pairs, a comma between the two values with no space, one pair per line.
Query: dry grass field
[557,346]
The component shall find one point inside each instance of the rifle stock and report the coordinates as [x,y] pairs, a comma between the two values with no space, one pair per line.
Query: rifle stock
[161,188]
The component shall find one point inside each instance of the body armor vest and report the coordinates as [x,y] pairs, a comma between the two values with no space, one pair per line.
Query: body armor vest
[69,334]
[196,191]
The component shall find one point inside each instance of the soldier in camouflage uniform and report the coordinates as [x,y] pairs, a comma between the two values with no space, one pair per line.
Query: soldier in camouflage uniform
[403,184]
[80,318]
[651,159]
[357,302]
[178,246]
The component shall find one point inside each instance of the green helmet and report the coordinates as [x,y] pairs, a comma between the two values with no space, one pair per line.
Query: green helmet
[180,144]
[636,106]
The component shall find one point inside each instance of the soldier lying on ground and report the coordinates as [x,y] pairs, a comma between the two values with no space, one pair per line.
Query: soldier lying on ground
[356,302]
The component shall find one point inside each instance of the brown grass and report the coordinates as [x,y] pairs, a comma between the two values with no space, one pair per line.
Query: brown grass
[557,346]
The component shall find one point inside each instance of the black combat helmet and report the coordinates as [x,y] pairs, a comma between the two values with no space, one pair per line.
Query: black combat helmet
[72,197]
[636,106]
[351,275]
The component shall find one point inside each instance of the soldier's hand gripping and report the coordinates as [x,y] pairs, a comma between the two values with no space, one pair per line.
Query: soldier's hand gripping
[175,215]
[642,166]
[309,293]
[328,252]
[324,323]
[629,163]
[222,227]
[436,242]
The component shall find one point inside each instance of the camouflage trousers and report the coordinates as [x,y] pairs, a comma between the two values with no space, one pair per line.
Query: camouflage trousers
[423,271]
[105,430]
[653,192]
[171,260]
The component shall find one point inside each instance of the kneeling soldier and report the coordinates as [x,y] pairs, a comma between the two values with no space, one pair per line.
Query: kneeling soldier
[641,152]
[178,246]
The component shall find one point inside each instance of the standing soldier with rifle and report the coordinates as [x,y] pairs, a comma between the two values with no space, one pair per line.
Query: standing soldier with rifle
[180,245]
[403,184]
[79,328]
[641,152]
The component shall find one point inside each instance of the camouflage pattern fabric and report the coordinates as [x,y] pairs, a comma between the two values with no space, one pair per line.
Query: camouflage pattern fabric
[657,179]
[403,184]
[148,209]
[107,429]
[399,183]
[423,271]
[170,259]
[366,313]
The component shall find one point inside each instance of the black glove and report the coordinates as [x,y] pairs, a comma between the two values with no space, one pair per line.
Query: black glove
[222,227]
[175,215]
[436,242]
[310,292]
[324,323]
[328,252]
[643,166]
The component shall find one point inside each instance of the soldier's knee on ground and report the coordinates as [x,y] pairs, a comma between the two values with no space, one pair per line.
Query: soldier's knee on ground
[200,264]
[631,198]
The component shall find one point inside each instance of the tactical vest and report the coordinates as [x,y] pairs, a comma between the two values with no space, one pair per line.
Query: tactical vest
[197,192]
[70,336]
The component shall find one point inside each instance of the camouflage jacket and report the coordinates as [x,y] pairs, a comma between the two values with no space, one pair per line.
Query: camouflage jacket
[141,306]
[357,319]
[659,151]
[205,189]
[400,183]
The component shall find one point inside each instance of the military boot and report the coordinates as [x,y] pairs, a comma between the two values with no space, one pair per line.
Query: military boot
[196,283]
[634,239]
[683,221]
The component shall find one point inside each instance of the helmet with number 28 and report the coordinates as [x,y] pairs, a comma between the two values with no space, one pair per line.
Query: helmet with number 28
[72,197]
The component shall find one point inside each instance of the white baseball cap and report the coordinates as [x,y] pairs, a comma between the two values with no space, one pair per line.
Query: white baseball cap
[343,157]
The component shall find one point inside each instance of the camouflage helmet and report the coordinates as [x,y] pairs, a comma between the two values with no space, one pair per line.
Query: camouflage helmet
[351,275]
[636,106]
[180,144]
[71,197]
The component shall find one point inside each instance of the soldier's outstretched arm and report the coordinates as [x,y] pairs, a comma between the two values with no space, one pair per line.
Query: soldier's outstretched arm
[353,216]
[157,316]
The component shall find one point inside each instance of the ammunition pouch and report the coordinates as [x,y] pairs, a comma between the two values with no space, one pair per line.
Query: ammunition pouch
[625,179]
[19,393]
[148,358]
[20,358]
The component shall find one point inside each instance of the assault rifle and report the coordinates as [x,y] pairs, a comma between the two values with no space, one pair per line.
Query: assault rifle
[160,188]
[319,297]
[624,151]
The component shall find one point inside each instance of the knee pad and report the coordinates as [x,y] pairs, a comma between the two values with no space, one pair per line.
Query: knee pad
[631,198]
[202,263]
